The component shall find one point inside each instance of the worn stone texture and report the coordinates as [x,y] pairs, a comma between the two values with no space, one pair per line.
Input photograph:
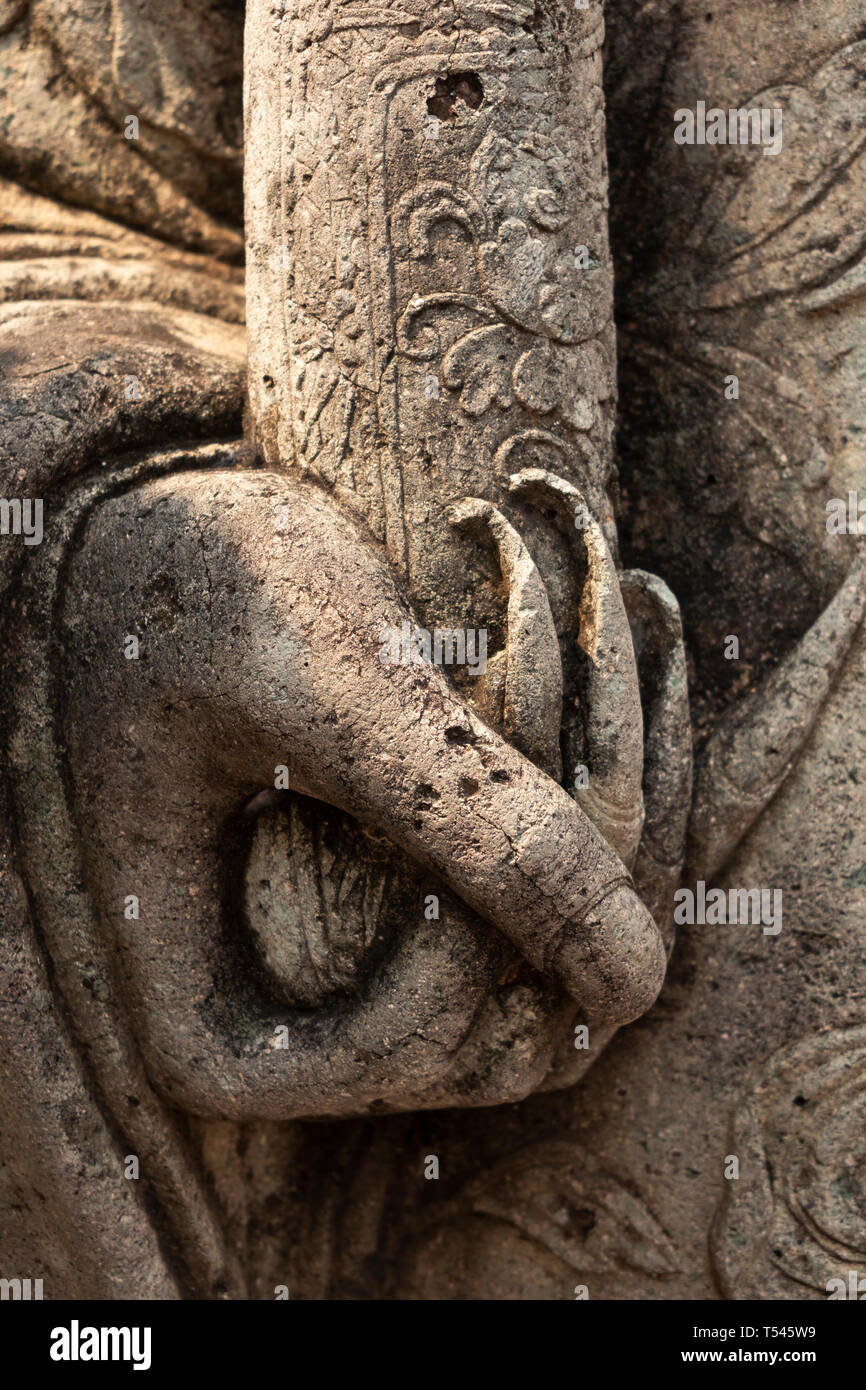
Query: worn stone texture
[427,439]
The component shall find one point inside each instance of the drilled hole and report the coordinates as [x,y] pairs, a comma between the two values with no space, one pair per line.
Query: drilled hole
[454,87]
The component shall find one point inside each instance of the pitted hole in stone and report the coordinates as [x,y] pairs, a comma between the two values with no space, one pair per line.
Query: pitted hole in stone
[468,786]
[455,733]
[268,383]
[425,795]
[579,1222]
[453,87]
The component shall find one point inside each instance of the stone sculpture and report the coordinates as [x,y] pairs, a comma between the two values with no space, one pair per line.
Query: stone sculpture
[275,882]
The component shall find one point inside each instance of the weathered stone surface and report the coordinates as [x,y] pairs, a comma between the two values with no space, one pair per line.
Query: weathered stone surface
[262,867]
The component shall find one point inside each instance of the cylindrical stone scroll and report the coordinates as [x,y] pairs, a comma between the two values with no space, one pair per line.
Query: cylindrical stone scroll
[429,280]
